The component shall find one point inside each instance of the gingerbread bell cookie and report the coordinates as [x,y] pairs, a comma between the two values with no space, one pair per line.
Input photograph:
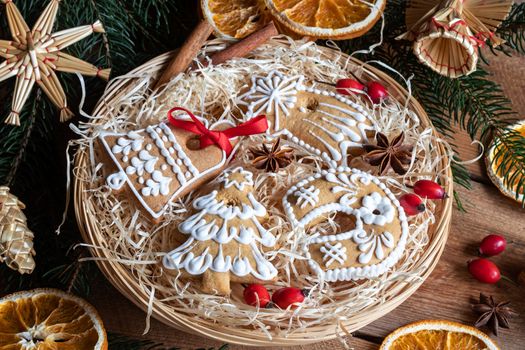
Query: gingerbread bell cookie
[225,236]
[164,162]
[375,229]
[157,165]
[320,121]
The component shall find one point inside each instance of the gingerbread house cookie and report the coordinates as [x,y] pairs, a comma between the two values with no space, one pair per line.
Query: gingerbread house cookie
[225,235]
[322,122]
[375,228]
[157,165]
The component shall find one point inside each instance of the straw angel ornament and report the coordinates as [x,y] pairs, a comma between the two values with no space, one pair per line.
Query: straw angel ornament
[33,55]
[447,33]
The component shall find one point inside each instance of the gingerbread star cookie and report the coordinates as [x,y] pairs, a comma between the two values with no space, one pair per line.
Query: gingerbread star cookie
[157,164]
[321,121]
[225,236]
[374,230]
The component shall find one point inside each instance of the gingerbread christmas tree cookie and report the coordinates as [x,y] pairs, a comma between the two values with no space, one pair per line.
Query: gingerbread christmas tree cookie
[225,235]
[374,226]
[158,165]
[321,121]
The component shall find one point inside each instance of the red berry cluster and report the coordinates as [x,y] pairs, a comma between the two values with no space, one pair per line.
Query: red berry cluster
[256,294]
[412,202]
[374,90]
[483,269]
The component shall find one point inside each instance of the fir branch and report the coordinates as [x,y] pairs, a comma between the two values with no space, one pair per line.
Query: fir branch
[512,30]
[509,160]
[28,128]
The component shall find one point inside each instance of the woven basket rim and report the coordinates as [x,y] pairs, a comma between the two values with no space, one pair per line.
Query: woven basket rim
[121,278]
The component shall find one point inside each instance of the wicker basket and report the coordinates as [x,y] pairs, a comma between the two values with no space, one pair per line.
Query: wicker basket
[122,278]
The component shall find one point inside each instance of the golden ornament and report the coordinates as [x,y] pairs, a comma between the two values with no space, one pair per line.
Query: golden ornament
[505,178]
[447,33]
[34,56]
[16,240]
[49,319]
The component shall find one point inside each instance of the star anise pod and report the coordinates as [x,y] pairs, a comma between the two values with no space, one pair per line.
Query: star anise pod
[272,159]
[492,314]
[387,154]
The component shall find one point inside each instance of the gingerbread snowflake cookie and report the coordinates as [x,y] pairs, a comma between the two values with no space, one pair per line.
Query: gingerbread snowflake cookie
[322,122]
[225,235]
[375,229]
[158,165]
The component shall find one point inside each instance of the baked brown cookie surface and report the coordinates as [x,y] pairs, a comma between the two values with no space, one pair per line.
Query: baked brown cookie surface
[225,235]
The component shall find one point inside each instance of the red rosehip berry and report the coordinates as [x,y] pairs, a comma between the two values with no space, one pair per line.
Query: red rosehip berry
[412,204]
[256,293]
[287,296]
[484,270]
[429,189]
[492,245]
[376,92]
[346,86]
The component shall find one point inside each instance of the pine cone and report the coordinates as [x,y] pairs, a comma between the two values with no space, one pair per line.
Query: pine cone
[16,240]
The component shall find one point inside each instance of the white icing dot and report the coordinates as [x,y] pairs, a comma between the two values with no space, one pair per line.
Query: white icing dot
[164,166]
[141,180]
[149,147]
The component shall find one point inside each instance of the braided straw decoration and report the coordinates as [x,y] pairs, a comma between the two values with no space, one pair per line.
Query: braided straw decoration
[16,240]
[447,33]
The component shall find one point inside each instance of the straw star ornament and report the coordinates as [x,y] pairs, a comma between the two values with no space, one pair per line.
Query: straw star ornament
[33,56]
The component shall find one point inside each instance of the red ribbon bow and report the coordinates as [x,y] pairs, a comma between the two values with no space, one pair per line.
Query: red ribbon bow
[221,138]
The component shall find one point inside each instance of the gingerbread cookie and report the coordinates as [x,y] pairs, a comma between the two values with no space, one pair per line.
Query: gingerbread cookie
[375,227]
[157,165]
[322,122]
[226,234]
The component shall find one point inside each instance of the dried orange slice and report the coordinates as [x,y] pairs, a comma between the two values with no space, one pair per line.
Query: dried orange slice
[438,335]
[508,185]
[235,18]
[327,19]
[49,319]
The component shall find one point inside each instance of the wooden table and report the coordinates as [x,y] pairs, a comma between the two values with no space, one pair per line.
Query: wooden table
[446,294]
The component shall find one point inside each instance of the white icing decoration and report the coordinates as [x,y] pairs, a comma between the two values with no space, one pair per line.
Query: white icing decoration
[158,184]
[154,134]
[376,209]
[307,196]
[144,161]
[138,138]
[368,242]
[116,181]
[217,227]
[132,142]
[372,244]
[333,252]
[273,93]
[228,181]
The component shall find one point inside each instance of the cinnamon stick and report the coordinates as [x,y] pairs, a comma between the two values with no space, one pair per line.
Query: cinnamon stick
[187,53]
[246,45]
